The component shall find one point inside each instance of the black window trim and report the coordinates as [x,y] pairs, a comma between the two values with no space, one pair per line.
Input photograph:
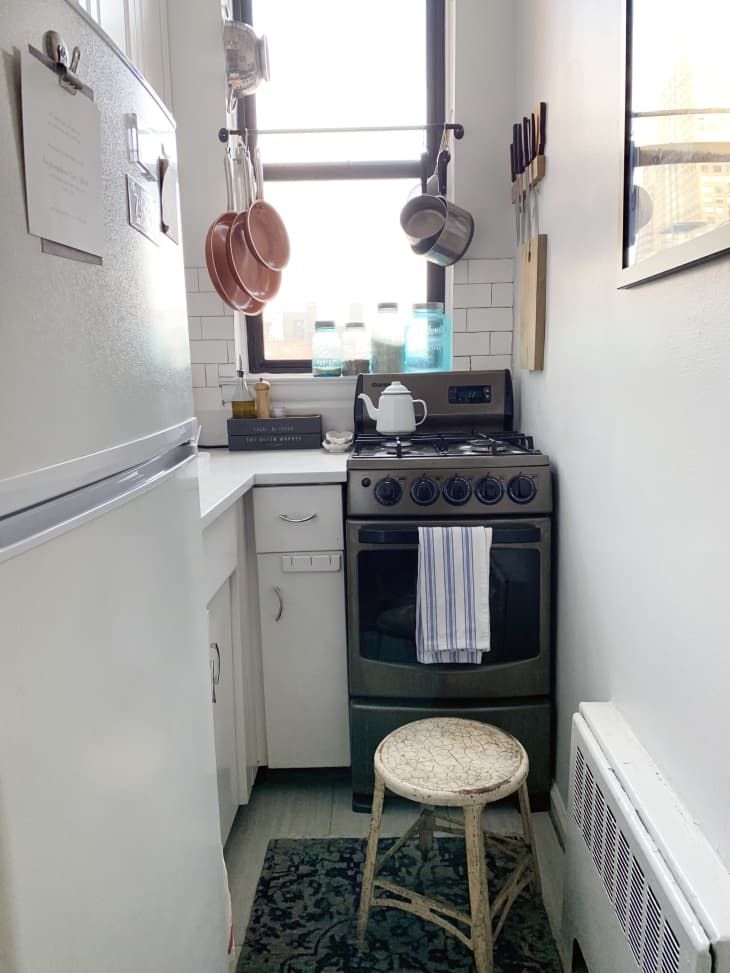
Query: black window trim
[435,114]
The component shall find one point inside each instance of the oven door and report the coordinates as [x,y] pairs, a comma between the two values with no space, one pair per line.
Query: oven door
[382,561]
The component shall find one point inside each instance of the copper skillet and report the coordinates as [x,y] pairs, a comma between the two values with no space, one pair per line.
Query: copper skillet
[261,224]
[223,270]
[220,270]
[258,279]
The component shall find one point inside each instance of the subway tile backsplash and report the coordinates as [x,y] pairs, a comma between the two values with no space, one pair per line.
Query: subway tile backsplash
[212,346]
[483,313]
[482,320]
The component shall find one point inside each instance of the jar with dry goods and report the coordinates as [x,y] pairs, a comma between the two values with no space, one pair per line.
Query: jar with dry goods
[355,349]
[428,339]
[326,350]
[389,343]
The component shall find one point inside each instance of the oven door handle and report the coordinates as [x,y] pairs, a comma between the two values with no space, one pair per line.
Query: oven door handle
[529,534]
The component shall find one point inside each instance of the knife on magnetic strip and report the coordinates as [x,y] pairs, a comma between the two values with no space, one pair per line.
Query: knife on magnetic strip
[513,181]
[519,170]
[527,143]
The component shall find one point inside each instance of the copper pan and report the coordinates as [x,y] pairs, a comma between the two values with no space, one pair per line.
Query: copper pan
[259,280]
[265,230]
[220,270]
[217,260]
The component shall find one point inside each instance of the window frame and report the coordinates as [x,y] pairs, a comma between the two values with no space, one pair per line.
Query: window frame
[303,172]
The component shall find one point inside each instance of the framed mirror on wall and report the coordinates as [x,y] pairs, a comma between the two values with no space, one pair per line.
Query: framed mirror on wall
[676,186]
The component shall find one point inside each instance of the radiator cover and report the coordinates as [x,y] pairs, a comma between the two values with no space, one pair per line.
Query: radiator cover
[631,903]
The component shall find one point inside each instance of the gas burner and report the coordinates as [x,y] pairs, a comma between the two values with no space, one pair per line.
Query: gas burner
[503,442]
[397,446]
[484,447]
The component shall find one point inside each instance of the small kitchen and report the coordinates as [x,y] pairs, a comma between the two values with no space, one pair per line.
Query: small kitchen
[359,530]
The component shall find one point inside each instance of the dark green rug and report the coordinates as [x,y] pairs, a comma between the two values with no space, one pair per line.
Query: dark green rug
[303,917]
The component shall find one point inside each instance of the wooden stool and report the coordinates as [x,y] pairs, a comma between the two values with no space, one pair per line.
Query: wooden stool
[450,762]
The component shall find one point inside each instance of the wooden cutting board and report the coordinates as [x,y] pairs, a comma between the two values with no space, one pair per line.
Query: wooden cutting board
[532,302]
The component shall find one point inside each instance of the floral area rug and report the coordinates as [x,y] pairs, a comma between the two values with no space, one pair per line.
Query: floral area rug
[304,913]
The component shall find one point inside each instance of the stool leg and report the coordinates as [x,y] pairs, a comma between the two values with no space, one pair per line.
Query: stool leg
[481,922]
[366,893]
[529,837]
[425,832]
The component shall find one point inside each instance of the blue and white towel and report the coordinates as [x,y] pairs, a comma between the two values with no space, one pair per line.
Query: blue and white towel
[452,603]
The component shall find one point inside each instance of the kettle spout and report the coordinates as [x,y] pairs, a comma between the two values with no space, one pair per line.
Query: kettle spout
[372,411]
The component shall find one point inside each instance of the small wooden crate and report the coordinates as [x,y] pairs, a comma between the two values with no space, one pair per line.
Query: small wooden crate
[293,432]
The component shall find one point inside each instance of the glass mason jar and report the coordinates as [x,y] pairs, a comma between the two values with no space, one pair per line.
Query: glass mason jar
[428,339]
[355,349]
[326,350]
[388,343]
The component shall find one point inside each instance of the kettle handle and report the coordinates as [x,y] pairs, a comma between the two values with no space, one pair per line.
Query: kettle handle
[425,410]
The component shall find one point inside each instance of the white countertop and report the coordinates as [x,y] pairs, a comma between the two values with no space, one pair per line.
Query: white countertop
[223,476]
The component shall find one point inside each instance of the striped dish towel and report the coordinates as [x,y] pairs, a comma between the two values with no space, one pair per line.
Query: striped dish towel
[452,602]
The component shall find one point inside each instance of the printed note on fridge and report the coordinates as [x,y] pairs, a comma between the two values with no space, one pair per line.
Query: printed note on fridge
[62,147]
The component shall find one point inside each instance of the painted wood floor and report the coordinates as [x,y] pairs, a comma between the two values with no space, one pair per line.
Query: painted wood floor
[317,804]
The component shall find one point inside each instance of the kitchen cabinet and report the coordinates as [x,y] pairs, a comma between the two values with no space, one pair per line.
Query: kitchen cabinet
[220,637]
[302,617]
[230,592]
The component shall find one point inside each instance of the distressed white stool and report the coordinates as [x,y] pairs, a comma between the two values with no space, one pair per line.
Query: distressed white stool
[451,762]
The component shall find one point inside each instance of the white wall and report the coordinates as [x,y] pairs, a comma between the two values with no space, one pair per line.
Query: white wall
[481,94]
[634,408]
[483,101]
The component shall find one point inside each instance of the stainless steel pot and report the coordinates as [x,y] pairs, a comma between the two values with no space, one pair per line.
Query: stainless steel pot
[247,59]
[437,229]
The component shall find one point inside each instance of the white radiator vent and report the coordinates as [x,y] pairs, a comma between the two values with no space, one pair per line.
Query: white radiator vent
[648,931]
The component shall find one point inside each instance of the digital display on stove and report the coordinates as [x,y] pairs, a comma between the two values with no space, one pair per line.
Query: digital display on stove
[470,394]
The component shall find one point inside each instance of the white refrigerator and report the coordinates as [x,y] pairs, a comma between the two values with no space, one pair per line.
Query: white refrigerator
[110,855]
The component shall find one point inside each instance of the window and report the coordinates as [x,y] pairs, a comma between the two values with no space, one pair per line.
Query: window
[364,63]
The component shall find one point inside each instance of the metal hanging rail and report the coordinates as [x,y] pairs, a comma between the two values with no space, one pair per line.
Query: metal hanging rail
[455,127]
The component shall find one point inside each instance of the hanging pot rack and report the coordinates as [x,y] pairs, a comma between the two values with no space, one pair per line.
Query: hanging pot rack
[456,127]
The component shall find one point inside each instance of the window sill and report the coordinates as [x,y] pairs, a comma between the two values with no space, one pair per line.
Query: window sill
[296,378]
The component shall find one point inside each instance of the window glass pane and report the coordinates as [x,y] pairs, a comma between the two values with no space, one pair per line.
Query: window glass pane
[347,247]
[679,125]
[361,62]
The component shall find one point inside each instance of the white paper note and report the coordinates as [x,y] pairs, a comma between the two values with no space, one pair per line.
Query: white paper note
[62,146]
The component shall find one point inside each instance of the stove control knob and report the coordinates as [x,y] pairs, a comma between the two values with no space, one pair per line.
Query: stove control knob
[424,491]
[521,489]
[388,491]
[489,490]
[457,490]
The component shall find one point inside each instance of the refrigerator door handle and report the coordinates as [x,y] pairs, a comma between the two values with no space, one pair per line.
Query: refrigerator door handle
[37,524]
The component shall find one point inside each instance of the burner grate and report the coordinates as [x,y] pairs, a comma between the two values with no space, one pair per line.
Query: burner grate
[463,443]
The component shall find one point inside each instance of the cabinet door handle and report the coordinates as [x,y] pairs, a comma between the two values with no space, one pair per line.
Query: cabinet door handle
[296,520]
[277,592]
[215,675]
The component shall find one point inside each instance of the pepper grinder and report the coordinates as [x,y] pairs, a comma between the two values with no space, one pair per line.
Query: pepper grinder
[263,406]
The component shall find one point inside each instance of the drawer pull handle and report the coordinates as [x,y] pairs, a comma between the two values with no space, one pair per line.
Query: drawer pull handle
[277,592]
[296,520]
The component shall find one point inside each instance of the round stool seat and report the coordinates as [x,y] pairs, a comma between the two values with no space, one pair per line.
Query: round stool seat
[450,761]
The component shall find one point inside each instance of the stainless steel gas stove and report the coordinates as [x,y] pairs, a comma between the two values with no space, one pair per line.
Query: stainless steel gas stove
[466,465]
[465,461]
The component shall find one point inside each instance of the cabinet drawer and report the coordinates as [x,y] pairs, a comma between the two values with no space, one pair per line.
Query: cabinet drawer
[298,518]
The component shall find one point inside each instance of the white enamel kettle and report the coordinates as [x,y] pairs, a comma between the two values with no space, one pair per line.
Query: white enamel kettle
[395,415]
